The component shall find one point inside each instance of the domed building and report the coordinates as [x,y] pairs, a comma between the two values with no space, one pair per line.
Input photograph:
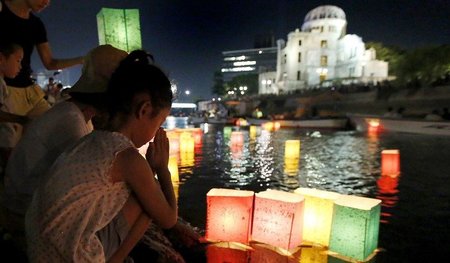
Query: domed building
[322,54]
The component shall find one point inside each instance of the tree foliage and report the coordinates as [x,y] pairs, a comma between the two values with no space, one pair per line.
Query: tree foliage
[248,80]
[423,66]
[390,54]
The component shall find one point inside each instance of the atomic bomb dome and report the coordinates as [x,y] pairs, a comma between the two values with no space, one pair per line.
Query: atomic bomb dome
[322,54]
[325,12]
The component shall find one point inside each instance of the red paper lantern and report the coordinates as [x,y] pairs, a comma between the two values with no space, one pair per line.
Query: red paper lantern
[229,215]
[390,162]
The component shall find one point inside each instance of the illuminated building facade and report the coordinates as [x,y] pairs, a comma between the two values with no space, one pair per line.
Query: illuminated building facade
[248,61]
[322,53]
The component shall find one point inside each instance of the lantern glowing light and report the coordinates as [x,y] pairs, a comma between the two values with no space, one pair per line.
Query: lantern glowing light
[253,131]
[120,28]
[292,149]
[355,227]
[229,215]
[278,218]
[390,162]
[318,214]
[291,166]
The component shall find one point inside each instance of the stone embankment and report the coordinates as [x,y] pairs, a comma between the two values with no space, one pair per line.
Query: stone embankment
[416,103]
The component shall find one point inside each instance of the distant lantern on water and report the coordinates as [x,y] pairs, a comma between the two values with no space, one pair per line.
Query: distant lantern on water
[187,143]
[390,162]
[355,227]
[120,28]
[229,215]
[278,218]
[292,149]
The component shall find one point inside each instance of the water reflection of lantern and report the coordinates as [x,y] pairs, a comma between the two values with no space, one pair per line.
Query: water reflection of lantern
[237,138]
[387,193]
[252,131]
[266,253]
[229,215]
[236,151]
[186,142]
[291,166]
[198,135]
[292,149]
[318,214]
[390,162]
[278,218]
[187,159]
[173,168]
[355,227]
[313,255]
[227,132]
[226,252]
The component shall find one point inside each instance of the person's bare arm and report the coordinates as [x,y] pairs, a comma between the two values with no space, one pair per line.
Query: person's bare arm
[52,63]
[157,200]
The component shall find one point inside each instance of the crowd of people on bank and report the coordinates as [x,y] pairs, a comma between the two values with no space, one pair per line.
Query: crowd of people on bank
[74,182]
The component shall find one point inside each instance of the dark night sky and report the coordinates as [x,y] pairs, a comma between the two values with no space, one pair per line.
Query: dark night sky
[187,37]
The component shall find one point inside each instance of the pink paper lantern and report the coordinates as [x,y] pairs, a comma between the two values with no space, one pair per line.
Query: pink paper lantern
[390,162]
[278,218]
[229,215]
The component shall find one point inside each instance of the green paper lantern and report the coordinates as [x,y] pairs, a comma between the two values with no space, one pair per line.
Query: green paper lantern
[120,28]
[355,226]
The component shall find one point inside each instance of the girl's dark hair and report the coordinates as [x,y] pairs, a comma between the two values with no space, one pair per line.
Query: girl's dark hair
[137,74]
[8,48]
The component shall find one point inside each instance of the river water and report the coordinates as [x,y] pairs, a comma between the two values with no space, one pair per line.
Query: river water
[415,213]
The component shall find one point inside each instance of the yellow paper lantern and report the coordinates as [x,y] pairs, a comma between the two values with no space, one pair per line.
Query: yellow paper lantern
[173,168]
[292,149]
[253,130]
[229,215]
[278,218]
[318,214]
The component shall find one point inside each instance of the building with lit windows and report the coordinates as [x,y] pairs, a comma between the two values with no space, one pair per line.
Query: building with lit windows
[248,61]
[322,54]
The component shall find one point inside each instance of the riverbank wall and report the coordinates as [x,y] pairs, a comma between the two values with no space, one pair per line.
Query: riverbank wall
[414,103]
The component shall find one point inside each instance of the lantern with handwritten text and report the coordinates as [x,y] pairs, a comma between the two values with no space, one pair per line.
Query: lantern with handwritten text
[390,162]
[278,218]
[318,214]
[120,28]
[229,215]
[354,231]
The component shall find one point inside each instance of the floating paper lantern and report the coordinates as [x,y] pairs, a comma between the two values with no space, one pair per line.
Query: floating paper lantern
[174,142]
[278,218]
[292,149]
[120,28]
[390,162]
[267,253]
[229,215]
[355,227]
[313,255]
[318,214]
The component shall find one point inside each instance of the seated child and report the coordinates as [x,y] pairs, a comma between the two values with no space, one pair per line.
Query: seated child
[100,196]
